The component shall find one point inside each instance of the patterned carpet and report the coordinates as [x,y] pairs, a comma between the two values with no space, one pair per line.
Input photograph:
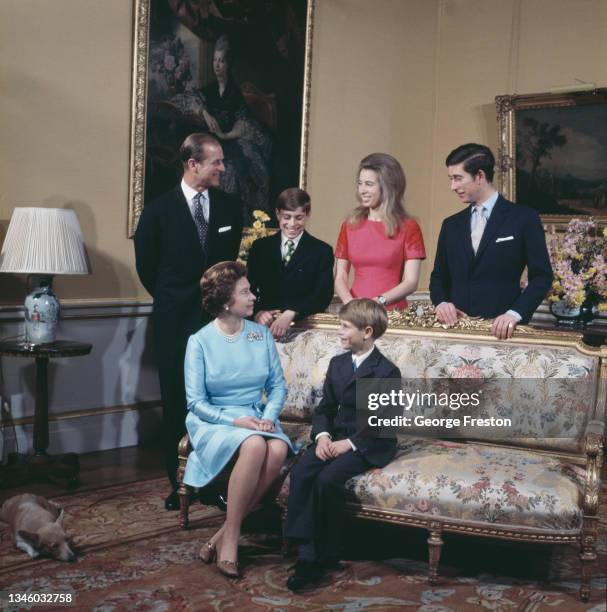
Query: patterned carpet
[133,556]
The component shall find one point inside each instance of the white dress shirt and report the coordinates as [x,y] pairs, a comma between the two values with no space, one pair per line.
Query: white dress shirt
[283,243]
[488,205]
[190,194]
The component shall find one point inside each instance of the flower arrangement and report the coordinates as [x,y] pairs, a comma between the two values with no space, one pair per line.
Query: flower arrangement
[170,65]
[579,264]
[251,234]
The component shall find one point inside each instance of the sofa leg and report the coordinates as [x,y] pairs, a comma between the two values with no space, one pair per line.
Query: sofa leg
[435,544]
[587,555]
[185,494]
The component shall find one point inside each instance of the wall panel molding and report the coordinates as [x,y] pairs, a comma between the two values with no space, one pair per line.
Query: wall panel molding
[113,391]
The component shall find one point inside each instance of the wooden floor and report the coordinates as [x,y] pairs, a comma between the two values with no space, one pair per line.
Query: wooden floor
[101,469]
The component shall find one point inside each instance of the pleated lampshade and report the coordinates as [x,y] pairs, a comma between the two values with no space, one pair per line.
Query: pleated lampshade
[44,241]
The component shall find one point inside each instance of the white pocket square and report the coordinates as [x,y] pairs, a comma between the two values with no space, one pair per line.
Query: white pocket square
[225,228]
[505,238]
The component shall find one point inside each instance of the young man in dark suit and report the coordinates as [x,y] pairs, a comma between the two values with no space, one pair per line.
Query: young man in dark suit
[483,250]
[340,449]
[291,272]
[180,234]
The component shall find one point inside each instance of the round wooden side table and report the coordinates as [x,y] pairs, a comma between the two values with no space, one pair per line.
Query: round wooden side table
[62,469]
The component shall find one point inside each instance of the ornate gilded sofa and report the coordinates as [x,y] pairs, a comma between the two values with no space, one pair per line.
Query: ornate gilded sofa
[534,489]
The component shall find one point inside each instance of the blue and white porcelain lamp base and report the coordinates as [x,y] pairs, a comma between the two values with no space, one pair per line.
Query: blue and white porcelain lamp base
[41,312]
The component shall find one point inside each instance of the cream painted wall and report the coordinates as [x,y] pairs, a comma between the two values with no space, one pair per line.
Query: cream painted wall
[491,47]
[373,89]
[417,79]
[65,70]
[414,78]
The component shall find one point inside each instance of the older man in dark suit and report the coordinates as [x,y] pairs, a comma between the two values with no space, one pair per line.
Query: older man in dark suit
[483,250]
[181,234]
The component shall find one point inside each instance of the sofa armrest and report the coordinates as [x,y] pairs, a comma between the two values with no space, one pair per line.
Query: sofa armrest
[594,442]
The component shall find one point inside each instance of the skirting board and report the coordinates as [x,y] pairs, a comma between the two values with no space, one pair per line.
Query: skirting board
[96,402]
[87,431]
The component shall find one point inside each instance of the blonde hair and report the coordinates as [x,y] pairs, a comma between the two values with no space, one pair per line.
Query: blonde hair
[392,183]
[364,312]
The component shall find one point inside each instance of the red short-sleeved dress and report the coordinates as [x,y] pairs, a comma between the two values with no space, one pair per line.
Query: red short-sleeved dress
[378,261]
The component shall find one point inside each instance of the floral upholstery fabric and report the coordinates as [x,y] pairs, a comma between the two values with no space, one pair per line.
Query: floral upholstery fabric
[469,482]
[305,358]
[555,409]
[476,483]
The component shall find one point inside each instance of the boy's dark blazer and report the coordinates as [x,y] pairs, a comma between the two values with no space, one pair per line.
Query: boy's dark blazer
[488,284]
[336,413]
[304,285]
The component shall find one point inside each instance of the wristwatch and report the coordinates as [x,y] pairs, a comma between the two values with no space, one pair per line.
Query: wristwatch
[382,300]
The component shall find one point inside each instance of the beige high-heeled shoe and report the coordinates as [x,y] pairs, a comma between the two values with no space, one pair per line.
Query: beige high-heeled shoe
[208,552]
[228,568]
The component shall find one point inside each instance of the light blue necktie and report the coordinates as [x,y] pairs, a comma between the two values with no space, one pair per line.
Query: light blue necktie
[479,221]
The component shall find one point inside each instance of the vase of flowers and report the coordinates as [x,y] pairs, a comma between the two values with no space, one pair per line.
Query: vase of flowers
[579,262]
[251,234]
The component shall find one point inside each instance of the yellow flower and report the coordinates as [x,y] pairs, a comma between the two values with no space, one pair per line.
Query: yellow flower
[602,306]
[579,297]
[257,225]
[554,298]
[556,285]
[261,215]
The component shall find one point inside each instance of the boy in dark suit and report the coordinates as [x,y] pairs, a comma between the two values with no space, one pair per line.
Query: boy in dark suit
[291,272]
[340,450]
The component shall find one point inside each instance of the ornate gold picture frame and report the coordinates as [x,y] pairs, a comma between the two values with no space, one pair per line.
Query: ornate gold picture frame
[552,153]
[269,46]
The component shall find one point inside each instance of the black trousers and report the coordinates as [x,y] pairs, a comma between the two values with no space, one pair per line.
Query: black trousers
[171,334]
[172,393]
[317,498]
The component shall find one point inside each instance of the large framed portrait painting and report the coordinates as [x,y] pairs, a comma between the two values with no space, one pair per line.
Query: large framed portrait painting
[237,69]
[553,153]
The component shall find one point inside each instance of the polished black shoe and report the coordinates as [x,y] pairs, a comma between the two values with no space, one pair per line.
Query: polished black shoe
[306,573]
[171,502]
[213,496]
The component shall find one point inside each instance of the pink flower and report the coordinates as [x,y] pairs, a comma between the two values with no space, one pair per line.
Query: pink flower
[467,371]
[472,352]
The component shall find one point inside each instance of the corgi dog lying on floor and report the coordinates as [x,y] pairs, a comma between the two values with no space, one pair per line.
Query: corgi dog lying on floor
[36,526]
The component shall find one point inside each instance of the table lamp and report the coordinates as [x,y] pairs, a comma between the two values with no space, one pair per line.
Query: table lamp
[42,242]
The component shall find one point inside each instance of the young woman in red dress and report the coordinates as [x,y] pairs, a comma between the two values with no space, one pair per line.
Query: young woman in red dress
[379,240]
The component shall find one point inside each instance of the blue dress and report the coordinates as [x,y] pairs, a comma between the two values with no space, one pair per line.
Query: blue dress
[224,381]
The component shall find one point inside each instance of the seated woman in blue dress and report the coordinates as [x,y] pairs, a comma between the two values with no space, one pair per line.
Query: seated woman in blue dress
[229,363]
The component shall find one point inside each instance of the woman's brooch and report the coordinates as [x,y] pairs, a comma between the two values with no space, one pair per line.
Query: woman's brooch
[252,336]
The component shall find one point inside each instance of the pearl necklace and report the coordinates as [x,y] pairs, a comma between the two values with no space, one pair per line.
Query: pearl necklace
[229,337]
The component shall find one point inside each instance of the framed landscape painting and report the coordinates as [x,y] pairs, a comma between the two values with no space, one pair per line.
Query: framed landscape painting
[239,70]
[553,153]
